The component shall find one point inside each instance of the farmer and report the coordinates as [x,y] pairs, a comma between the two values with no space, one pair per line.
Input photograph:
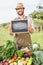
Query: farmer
[22,39]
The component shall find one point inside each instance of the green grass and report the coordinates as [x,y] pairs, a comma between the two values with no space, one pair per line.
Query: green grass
[37,37]
[4,36]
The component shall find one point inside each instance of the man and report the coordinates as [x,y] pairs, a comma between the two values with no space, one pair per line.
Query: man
[22,39]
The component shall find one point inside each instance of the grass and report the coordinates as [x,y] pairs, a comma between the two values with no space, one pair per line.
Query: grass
[37,37]
[4,36]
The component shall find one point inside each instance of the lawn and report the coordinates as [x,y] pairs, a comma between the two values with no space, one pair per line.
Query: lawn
[37,37]
[4,36]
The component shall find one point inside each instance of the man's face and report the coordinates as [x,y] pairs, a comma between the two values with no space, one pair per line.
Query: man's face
[20,11]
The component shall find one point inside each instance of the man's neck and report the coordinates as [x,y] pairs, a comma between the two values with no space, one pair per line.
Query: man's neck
[21,17]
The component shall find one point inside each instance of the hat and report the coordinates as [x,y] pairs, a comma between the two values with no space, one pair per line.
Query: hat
[19,5]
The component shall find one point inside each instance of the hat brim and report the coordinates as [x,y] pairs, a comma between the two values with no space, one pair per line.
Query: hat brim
[19,8]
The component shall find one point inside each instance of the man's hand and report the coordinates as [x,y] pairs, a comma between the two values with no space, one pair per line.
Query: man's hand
[30,29]
[11,33]
[10,29]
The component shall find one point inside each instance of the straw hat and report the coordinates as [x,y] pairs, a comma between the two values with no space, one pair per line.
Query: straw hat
[19,5]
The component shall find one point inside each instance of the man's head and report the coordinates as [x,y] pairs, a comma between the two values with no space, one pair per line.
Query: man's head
[20,9]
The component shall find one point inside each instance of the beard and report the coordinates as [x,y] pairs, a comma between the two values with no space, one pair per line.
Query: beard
[20,13]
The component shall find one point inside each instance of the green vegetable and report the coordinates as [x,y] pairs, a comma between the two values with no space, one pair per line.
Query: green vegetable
[1,58]
[35,47]
[17,59]
[37,57]
[9,50]
[19,53]
[27,59]
[30,60]
[1,48]
[30,46]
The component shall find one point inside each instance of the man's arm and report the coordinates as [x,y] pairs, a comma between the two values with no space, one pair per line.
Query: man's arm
[31,28]
[10,29]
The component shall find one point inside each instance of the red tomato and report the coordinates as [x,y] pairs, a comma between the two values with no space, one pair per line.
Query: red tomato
[29,51]
[14,57]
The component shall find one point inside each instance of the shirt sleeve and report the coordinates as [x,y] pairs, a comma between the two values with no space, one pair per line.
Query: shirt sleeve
[30,21]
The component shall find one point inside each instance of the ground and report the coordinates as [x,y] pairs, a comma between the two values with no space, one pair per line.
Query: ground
[4,36]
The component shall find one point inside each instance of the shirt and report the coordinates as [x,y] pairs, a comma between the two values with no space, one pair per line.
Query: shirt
[30,21]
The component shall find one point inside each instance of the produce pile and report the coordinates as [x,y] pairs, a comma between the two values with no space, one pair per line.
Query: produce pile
[9,55]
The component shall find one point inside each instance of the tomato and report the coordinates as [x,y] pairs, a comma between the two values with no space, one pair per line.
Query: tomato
[29,51]
[14,57]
